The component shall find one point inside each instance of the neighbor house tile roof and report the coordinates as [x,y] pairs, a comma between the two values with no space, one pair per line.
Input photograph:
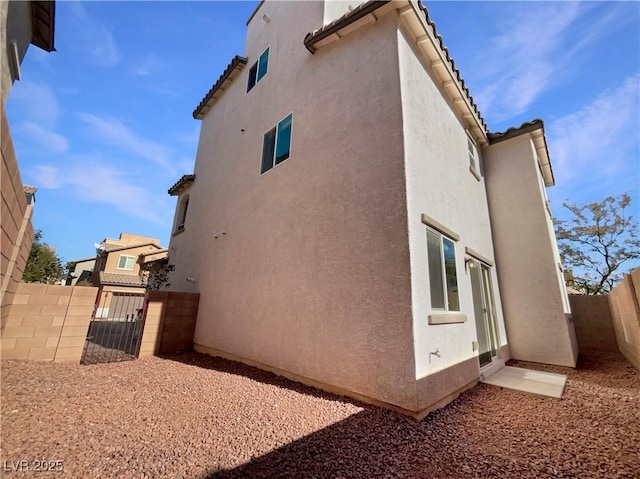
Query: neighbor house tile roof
[369,7]
[111,247]
[181,184]
[117,279]
[236,65]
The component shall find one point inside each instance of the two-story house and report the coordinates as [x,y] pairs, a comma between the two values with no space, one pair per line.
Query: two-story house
[352,223]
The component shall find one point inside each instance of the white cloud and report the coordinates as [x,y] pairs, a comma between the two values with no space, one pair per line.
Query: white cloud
[601,139]
[52,142]
[36,102]
[47,177]
[149,66]
[521,60]
[93,38]
[114,132]
[95,182]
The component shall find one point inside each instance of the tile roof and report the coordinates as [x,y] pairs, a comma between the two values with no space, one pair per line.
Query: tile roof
[121,279]
[370,6]
[181,184]
[515,131]
[236,65]
[111,247]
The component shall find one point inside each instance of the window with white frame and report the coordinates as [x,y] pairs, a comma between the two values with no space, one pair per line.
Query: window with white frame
[277,144]
[473,154]
[443,279]
[126,262]
[258,70]
[182,214]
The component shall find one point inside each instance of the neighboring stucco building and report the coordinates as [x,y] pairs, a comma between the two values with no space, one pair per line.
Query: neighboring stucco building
[345,222]
[22,23]
[82,274]
[118,262]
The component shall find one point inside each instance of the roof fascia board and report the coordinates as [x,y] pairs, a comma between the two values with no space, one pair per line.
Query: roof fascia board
[461,101]
[413,17]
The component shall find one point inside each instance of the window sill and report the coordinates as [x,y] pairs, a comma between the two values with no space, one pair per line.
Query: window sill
[447,318]
[475,173]
[179,229]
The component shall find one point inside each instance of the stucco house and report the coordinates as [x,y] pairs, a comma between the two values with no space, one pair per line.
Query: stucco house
[352,223]
[118,262]
[22,23]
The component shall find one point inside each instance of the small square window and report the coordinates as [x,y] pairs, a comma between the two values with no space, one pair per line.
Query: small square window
[277,144]
[126,262]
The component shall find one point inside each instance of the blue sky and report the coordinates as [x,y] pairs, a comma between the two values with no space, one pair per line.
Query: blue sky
[103,126]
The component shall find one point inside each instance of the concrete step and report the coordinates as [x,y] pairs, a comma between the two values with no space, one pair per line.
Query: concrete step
[536,383]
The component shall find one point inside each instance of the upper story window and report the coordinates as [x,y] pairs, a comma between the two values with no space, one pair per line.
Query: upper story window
[474,157]
[258,70]
[126,262]
[473,154]
[443,278]
[277,144]
[182,214]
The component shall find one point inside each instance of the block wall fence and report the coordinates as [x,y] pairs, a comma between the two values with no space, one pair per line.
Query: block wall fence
[16,230]
[625,312]
[593,323]
[50,322]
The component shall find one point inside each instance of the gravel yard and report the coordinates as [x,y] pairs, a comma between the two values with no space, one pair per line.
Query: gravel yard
[194,416]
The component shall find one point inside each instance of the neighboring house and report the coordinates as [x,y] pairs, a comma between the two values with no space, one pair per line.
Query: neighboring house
[118,263]
[23,23]
[351,221]
[82,273]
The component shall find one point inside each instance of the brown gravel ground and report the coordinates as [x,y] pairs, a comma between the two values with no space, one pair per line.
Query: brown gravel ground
[193,416]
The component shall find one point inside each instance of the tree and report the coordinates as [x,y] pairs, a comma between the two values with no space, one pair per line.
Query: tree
[43,264]
[156,274]
[596,242]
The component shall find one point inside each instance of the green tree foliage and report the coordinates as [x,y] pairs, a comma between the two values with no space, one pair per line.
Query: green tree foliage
[596,242]
[43,264]
[156,274]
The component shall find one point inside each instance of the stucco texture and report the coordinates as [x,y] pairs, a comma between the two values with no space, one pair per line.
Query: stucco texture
[306,265]
[533,298]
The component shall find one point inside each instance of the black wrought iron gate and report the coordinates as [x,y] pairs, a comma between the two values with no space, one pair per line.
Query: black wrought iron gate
[116,328]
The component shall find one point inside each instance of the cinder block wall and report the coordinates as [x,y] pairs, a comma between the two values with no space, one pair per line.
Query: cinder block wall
[593,323]
[170,322]
[15,221]
[625,311]
[47,322]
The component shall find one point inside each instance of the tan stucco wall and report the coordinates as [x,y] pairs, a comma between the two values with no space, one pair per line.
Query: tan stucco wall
[535,309]
[440,185]
[113,258]
[48,322]
[309,272]
[625,311]
[593,323]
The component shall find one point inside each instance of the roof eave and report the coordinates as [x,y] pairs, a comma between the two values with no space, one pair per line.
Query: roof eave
[231,72]
[43,15]
[415,18]
[535,129]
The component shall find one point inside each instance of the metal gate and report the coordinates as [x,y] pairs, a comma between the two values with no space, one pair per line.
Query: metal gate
[115,330]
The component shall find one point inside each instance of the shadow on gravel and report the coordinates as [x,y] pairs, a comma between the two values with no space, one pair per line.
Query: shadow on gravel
[193,358]
[369,444]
